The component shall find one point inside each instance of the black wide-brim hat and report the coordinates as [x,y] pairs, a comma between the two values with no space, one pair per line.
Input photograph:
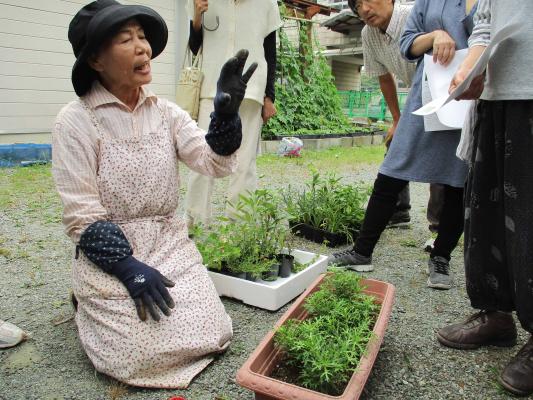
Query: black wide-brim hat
[100,20]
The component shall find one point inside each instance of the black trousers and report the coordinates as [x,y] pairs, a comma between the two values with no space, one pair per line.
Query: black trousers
[403,203]
[499,210]
[382,204]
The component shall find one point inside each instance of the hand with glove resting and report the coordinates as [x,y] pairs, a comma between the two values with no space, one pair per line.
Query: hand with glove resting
[146,286]
[225,131]
[105,244]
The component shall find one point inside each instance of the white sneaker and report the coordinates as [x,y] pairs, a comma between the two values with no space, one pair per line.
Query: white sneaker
[10,335]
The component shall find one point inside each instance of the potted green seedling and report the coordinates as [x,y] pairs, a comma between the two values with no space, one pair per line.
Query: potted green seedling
[325,345]
[326,211]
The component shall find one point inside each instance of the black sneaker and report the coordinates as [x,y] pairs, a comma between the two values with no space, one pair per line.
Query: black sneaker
[351,260]
[400,219]
[439,273]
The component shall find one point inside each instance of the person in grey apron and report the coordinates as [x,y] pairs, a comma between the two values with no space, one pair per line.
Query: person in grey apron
[436,27]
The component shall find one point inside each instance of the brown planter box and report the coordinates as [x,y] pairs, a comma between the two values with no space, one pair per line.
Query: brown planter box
[256,371]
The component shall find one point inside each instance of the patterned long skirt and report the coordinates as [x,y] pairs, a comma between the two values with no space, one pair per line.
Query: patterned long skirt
[499,210]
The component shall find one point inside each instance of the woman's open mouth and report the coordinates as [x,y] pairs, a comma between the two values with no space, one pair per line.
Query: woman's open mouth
[143,68]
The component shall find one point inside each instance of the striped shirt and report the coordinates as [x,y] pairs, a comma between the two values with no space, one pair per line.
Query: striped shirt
[510,76]
[381,50]
[76,147]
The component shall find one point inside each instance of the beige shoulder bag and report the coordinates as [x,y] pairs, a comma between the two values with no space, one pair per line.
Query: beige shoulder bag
[190,83]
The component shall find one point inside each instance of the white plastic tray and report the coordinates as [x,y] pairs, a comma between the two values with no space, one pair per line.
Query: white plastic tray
[271,295]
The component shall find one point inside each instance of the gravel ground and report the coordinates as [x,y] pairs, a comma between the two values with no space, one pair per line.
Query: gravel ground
[34,283]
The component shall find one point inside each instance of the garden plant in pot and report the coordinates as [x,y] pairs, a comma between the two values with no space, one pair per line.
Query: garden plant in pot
[325,345]
[249,244]
[326,211]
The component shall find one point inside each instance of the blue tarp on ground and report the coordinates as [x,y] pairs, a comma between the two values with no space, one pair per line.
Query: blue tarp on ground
[24,154]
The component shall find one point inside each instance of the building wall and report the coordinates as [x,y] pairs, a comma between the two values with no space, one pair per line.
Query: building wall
[347,75]
[36,61]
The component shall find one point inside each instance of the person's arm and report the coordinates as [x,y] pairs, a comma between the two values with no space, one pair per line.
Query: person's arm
[388,88]
[442,45]
[196,38]
[195,26]
[74,169]
[269,46]
[415,41]
[477,43]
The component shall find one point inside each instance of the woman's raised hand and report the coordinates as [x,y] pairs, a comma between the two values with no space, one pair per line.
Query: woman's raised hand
[443,47]
[232,82]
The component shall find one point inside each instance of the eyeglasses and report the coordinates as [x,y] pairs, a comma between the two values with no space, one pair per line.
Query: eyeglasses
[359,3]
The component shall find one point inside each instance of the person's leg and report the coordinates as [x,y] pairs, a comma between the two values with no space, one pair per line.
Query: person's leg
[244,179]
[487,280]
[435,204]
[380,208]
[517,377]
[450,230]
[452,222]
[401,217]
[200,187]
[434,209]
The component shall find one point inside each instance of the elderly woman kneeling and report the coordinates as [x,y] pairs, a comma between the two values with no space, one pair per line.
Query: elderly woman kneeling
[115,163]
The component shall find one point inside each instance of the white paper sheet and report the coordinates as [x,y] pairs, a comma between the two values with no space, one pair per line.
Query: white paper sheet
[479,67]
[439,77]
[431,121]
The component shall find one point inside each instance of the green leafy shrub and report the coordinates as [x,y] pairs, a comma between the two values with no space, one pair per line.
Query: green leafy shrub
[324,349]
[306,97]
[328,204]
[250,240]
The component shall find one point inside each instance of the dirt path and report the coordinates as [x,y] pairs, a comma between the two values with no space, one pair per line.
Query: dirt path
[35,279]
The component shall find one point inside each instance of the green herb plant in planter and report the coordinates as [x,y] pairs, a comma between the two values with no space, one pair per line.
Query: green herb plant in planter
[321,352]
[217,247]
[326,210]
[247,244]
[261,232]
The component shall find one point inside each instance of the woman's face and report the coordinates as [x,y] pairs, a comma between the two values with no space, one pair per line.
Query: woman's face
[124,60]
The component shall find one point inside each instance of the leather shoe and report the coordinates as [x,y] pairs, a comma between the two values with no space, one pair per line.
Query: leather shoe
[517,377]
[484,328]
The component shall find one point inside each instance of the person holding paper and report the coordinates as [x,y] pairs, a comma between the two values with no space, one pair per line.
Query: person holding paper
[384,24]
[499,192]
[436,27]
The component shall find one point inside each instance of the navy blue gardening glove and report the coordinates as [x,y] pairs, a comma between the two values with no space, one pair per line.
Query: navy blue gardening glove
[225,130]
[105,244]
[146,285]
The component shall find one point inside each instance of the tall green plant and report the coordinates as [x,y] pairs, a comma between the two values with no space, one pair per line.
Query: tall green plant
[327,203]
[308,102]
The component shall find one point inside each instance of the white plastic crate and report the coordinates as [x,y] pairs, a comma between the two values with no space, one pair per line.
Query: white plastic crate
[271,295]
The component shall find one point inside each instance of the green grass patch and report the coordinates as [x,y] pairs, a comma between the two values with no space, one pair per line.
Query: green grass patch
[326,160]
[30,191]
